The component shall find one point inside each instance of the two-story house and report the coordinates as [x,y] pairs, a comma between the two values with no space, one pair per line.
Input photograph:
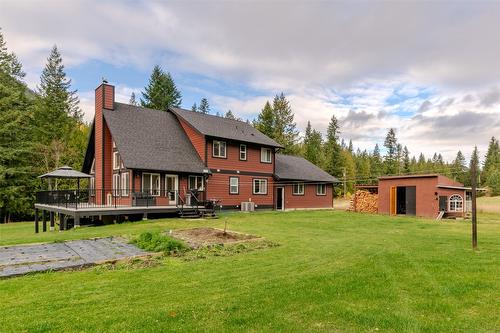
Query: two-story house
[179,155]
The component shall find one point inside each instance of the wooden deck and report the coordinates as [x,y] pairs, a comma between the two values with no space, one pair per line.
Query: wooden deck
[109,210]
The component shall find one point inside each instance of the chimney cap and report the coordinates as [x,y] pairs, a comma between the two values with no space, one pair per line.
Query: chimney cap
[104,80]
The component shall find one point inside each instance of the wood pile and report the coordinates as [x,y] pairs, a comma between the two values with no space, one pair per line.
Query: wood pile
[364,202]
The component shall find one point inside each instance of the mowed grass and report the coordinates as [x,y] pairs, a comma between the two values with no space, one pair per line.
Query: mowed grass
[334,271]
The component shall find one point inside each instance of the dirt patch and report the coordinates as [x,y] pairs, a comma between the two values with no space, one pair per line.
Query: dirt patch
[199,237]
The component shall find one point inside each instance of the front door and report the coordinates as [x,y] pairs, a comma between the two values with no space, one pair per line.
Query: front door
[171,188]
[280,198]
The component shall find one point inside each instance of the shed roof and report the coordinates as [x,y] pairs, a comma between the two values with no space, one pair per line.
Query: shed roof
[224,128]
[151,140]
[297,168]
[65,172]
[428,175]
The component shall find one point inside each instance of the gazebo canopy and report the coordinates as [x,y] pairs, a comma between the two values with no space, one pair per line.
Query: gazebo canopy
[65,172]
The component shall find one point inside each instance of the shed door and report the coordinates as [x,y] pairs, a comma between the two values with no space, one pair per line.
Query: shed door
[411,200]
[392,200]
[443,203]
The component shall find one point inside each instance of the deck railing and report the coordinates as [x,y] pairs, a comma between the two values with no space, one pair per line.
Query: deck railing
[102,198]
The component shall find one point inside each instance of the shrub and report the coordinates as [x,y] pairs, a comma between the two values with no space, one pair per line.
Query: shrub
[157,242]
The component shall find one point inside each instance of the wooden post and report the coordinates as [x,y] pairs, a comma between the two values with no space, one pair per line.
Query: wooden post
[62,221]
[36,220]
[44,221]
[51,216]
[474,212]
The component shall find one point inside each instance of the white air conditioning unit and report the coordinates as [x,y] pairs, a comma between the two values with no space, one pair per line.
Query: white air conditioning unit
[247,206]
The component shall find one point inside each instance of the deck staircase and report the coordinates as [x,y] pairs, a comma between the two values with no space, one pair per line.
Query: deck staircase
[197,209]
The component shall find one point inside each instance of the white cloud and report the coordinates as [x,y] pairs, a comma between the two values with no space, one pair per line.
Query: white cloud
[349,59]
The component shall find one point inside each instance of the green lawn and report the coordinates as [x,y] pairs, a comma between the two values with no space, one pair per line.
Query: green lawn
[334,271]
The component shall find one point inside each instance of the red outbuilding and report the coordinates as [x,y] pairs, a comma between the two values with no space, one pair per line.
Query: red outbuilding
[430,195]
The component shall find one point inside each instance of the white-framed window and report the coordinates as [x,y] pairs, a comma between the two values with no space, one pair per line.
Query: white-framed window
[92,168]
[196,183]
[234,185]
[456,203]
[125,184]
[321,189]
[243,152]
[260,186]
[116,184]
[151,183]
[298,189]
[92,186]
[219,149]
[266,155]
[116,160]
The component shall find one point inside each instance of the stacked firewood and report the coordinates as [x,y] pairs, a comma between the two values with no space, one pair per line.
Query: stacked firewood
[364,202]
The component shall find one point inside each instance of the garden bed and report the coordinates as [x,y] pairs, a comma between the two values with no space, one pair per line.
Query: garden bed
[199,237]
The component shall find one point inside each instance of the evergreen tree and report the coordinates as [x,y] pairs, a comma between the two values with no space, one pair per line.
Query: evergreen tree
[333,158]
[458,168]
[406,161]
[391,158]
[204,107]
[475,158]
[161,91]
[376,163]
[194,108]
[312,145]
[492,159]
[9,64]
[17,179]
[59,125]
[265,121]
[351,147]
[229,115]
[285,132]
[55,89]
[133,100]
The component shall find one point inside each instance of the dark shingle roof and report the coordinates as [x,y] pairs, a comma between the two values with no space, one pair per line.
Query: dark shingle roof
[224,128]
[151,140]
[298,168]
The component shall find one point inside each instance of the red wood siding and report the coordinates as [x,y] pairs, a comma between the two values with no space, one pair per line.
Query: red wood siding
[232,160]
[218,188]
[309,199]
[197,139]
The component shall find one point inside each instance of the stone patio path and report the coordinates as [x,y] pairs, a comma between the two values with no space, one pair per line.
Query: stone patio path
[22,259]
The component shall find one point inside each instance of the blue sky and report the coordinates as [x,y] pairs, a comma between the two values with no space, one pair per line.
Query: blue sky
[428,69]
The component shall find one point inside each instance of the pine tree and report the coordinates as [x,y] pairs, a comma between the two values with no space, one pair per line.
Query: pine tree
[285,132]
[492,159]
[55,87]
[229,115]
[312,145]
[406,161]
[194,108]
[265,121]
[204,106]
[458,168]
[9,64]
[161,91]
[17,179]
[133,100]
[376,163]
[474,158]
[391,158]
[333,158]
[350,147]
